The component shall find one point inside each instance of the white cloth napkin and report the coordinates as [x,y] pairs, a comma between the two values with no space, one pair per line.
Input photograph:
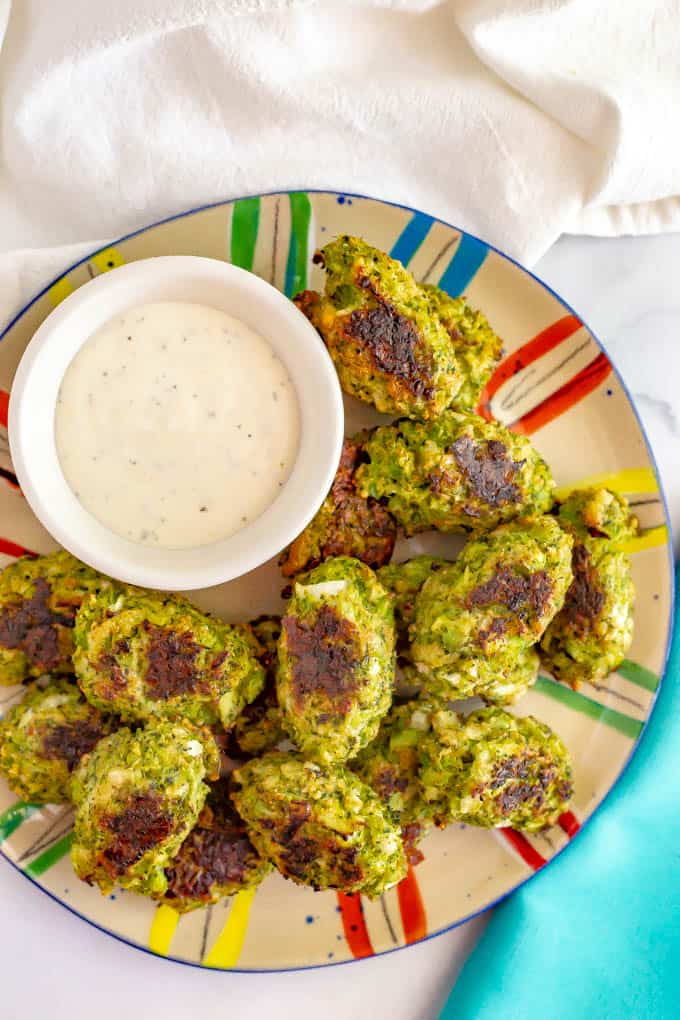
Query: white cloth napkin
[516,119]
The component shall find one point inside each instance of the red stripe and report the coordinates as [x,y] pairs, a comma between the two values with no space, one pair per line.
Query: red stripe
[4,407]
[412,908]
[354,925]
[12,549]
[10,478]
[524,355]
[588,379]
[569,823]
[524,848]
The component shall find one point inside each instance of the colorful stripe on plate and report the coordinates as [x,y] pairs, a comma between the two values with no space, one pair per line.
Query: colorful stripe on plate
[630,480]
[59,290]
[226,949]
[39,865]
[649,539]
[412,908]
[523,847]
[625,724]
[163,928]
[10,478]
[639,675]
[107,259]
[411,238]
[563,398]
[245,220]
[569,823]
[354,925]
[298,246]
[464,265]
[14,816]
[12,549]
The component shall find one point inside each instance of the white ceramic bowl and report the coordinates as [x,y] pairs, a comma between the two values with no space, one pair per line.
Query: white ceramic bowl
[203,281]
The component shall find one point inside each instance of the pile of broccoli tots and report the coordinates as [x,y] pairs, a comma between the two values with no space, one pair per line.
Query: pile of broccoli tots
[326,743]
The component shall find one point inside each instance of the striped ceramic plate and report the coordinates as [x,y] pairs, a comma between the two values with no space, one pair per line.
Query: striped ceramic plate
[556,385]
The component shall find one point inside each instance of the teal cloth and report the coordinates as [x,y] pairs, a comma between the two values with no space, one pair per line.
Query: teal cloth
[596,935]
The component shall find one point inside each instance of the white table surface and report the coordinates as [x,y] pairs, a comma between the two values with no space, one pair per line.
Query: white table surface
[54,965]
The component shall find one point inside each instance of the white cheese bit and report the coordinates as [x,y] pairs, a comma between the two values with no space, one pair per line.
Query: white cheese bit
[317,591]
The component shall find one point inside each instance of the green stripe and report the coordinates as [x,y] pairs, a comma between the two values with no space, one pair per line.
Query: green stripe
[298,247]
[14,816]
[638,675]
[586,706]
[245,220]
[52,856]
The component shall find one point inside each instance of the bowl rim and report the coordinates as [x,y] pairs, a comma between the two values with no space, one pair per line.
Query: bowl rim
[66,519]
[672,601]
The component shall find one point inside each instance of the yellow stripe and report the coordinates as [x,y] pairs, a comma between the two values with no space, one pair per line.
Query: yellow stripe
[227,948]
[162,929]
[60,290]
[629,480]
[647,540]
[107,258]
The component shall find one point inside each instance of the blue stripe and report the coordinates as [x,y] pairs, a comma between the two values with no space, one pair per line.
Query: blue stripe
[462,268]
[411,237]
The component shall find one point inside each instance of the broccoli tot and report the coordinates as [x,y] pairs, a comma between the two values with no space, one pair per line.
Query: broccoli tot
[388,348]
[476,620]
[494,769]
[43,738]
[499,678]
[336,660]
[390,766]
[39,597]
[346,525]
[259,727]
[404,581]
[457,473]
[321,828]
[137,797]
[216,860]
[597,513]
[589,638]
[477,347]
[147,654]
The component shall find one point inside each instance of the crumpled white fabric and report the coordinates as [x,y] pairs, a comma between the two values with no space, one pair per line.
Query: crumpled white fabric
[515,119]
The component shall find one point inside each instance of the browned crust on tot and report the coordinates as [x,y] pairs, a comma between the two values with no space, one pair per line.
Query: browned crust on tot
[353,526]
[514,591]
[387,781]
[411,836]
[521,786]
[306,301]
[33,628]
[171,657]
[324,656]
[142,825]
[488,469]
[70,742]
[394,346]
[216,852]
[585,599]
[299,849]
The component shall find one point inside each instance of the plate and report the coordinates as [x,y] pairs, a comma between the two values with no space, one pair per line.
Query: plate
[556,385]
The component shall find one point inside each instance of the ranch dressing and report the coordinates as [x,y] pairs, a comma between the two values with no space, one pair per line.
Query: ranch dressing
[176,425]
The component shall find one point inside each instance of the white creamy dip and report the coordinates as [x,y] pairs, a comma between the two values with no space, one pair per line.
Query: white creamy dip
[176,425]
